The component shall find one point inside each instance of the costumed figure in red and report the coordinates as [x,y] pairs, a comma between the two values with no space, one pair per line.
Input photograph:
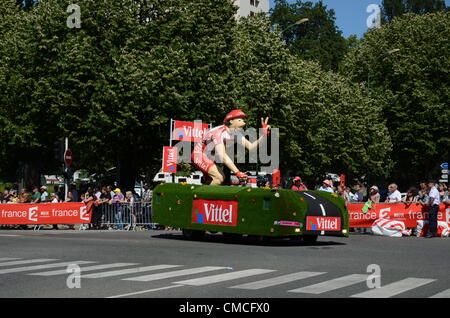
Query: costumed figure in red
[215,142]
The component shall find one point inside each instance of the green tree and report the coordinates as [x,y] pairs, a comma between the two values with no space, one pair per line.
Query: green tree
[395,8]
[319,39]
[112,85]
[406,62]
[327,123]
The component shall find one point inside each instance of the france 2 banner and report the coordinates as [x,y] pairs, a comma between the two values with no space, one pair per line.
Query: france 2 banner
[44,213]
[407,213]
[189,131]
[170,159]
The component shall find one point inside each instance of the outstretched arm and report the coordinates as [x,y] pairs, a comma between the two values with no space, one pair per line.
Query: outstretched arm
[266,128]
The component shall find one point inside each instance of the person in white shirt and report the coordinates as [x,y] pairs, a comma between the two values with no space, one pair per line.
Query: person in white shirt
[44,194]
[394,196]
[435,200]
[327,186]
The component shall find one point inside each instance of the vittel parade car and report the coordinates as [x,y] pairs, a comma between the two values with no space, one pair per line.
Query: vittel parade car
[260,212]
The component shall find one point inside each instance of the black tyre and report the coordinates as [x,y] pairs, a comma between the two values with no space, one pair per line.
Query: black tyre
[193,234]
[232,236]
[310,239]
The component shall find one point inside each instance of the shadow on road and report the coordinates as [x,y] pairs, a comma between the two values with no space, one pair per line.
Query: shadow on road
[251,240]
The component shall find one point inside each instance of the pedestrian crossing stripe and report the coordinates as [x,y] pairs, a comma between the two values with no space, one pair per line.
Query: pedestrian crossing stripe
[279,280]
[38,267]
[223,277]
[395,288]
[83,269]
[129,271]
[183,272]
[386,291]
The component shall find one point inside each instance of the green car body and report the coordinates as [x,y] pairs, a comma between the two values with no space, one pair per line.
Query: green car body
[251,211]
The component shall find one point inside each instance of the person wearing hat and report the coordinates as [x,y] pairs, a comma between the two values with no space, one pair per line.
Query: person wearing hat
[216,140]
[374,194]
[298,185]
[44,194]
[327,185]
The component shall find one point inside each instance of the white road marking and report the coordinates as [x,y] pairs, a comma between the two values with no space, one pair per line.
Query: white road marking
[277,280]
[332,284]
[444,294]
[83,269]
[183,272]
[29,261]
[323,209]
[394,288]
[309,195]
[129,271]
[37,267]
[223,277]
[9,235]
[144,291]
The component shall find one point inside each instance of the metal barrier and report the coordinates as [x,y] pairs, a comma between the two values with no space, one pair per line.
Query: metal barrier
[123,215]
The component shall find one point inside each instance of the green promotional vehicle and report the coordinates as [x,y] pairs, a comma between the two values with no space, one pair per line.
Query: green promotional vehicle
[260,212]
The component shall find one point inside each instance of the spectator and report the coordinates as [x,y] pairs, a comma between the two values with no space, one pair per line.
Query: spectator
[98,216]
[44,194]
[74,191]
[109,189]
[24,197]
[411,196]
[394,196]
[358,194]
[374,194]
[36,196]
[90,200]
[116,199]
[435,200]
[327,185]
[443,192]
[148,194]
[55,198]
[129,198]
[298,185]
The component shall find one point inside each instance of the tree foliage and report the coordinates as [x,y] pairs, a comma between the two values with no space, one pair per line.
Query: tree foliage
[395,8]
[112,86]
[327,123]
[406,62]
[319,39]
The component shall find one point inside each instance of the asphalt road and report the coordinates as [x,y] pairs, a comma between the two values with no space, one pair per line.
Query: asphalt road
[162,264]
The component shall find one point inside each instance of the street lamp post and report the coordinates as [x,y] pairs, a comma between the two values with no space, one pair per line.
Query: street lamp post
[298,22]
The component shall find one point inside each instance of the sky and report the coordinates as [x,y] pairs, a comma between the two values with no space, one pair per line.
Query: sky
[351,15]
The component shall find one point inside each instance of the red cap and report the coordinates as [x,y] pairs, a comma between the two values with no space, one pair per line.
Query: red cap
[297,179]
[237,113]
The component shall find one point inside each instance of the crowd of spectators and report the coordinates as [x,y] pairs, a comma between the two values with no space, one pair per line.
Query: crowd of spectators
[97,200]
[356,194]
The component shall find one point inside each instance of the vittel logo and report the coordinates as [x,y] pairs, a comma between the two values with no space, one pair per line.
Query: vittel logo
[323,223]
[215,212]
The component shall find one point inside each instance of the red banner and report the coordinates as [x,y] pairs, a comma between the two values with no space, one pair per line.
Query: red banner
[408,213]
[44,213]
[188,131]
[170,158]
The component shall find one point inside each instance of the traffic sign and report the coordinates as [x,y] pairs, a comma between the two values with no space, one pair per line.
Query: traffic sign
[444,165]
[68,157]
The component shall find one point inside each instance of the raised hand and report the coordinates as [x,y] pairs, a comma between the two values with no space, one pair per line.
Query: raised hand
[265,126]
